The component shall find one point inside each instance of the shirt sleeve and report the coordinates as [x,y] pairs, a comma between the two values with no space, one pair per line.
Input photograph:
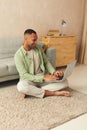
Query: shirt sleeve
[23,72]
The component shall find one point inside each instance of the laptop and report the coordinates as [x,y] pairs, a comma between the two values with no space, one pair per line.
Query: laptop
[67,72]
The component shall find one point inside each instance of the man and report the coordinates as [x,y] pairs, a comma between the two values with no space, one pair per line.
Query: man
[35,70]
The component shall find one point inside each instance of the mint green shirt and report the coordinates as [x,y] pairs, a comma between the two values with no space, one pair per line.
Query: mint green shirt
[25,65]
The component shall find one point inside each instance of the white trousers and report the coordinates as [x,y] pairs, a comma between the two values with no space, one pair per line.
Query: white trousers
[38,89]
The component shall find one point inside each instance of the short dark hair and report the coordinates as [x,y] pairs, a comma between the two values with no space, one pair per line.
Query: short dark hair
[29,31]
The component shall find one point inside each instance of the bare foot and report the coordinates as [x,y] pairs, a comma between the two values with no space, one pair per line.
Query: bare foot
[57,93]
[24,95]
[62,93]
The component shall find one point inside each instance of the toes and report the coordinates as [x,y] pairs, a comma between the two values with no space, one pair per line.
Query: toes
[66,93]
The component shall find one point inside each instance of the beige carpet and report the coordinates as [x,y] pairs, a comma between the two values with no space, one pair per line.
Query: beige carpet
[31,113]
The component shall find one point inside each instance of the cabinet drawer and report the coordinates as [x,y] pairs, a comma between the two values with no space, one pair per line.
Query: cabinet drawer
[65,48]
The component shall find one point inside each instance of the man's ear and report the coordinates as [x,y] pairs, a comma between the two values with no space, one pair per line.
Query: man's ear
[25,37]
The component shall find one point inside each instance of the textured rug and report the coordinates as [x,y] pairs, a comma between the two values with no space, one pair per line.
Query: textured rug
[32,113]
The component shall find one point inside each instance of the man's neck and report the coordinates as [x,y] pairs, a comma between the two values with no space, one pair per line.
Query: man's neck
[27,48]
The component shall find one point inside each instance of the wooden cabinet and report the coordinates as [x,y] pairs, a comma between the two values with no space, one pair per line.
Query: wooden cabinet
[65,48]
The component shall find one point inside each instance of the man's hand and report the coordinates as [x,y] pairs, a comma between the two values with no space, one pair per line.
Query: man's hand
[58,73]
[50,77]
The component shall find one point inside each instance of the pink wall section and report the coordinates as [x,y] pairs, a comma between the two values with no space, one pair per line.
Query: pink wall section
[41,15]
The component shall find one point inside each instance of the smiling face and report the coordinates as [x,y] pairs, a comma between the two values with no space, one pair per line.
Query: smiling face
[30,40]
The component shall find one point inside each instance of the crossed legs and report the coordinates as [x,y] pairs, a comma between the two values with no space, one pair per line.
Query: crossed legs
[51,89]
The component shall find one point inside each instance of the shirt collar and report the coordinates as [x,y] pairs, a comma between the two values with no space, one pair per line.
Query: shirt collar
[24,51]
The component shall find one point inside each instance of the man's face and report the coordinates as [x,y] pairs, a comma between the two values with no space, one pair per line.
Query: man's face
[31,40]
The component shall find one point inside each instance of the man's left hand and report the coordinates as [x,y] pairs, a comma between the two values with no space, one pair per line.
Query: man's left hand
[58,73]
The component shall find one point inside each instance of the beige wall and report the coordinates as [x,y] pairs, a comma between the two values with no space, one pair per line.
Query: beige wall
[41,15]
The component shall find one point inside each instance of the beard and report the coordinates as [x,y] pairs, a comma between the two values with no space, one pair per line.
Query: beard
[32,46]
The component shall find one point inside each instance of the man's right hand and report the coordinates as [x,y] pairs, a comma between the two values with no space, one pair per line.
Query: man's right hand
[50,77]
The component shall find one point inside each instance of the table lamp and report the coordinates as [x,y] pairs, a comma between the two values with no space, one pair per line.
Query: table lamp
[63,24]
